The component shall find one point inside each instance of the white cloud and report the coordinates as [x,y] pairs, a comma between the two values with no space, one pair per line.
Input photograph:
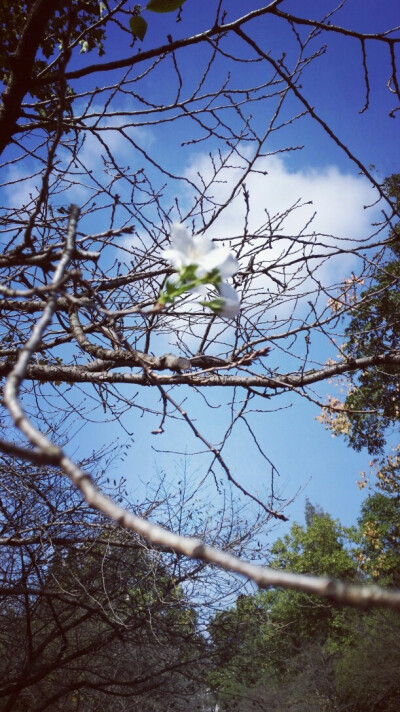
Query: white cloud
[337,198]
[305,206]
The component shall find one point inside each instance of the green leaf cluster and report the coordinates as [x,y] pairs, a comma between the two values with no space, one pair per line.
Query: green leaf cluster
[283,650]
[374,329]
[380,539]
[187,281]
[139,25]
[70,20]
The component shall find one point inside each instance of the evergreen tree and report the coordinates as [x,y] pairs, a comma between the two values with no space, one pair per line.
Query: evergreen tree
[374,327]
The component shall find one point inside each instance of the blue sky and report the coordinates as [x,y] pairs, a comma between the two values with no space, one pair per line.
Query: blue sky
[307,457]
[310,462]
[332,84]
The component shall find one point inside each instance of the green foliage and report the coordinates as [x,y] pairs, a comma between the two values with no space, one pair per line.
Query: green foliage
[66,24]
[90,618]
[318,548]
[111,610]
[138,26]
[37,41]
[283,650]
[164,5]
[267,643]
[374,329]
[368,670]
[380,539]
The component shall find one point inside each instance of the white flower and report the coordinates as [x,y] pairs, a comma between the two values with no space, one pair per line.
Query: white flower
[199,251]
[198,262]
[230,297]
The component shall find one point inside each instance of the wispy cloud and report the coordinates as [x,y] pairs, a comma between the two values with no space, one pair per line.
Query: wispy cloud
[300,207]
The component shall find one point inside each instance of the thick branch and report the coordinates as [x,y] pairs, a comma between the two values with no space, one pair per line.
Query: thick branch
[20,77]
[277,382]
[216,31]
[156,52]
[324,587]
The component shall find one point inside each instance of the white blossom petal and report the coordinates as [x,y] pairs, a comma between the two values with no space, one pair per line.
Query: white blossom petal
[200,291]
[201,246]
[231,300]
[228,265]
[176,258]
[180,238]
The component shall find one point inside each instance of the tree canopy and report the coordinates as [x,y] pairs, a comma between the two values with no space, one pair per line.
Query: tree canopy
[372,404]
[289,650]
[144,277]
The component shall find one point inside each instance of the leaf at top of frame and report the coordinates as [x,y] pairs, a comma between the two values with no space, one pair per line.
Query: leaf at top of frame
[164,5]
[138,26]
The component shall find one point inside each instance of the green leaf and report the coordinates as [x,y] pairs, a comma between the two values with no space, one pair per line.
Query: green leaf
[138,26]
[188,273]
[170,287]
[216,305]
[164,5]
